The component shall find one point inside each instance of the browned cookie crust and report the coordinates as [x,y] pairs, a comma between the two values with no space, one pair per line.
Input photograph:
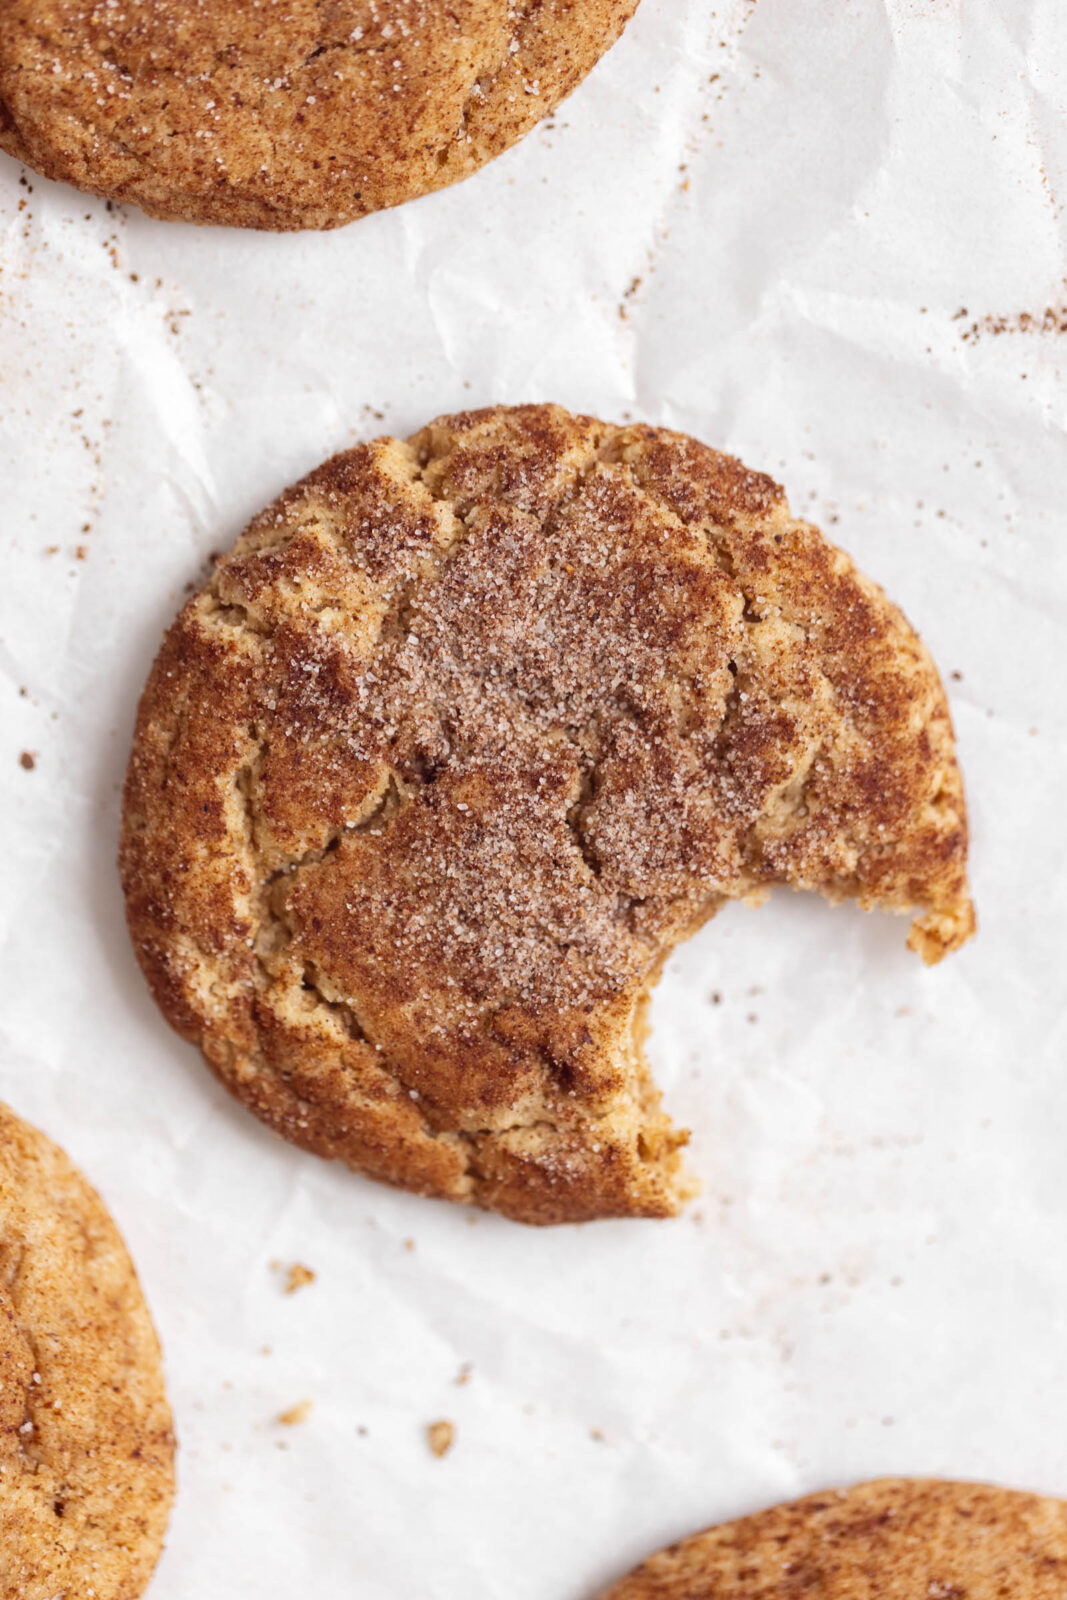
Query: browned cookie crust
[460,739]
[898,1539]
[86,1449]
[284,114]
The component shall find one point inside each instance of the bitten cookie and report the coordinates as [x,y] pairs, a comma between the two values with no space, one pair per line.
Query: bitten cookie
[898,1539]
[463,736]
[86,1448]
[284,114]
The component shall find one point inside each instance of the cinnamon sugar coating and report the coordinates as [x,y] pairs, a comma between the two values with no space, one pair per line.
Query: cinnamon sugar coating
[896,1539]
[460,739]
[86,1448]
[284,114]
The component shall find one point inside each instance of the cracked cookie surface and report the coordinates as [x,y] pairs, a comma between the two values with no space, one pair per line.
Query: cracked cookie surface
[284,114]
[897,1539]
[456,744]
[86,1449]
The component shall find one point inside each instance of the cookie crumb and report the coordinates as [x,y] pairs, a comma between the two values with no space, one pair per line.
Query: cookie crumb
[440,1436]
[28,760]
[297,1277]
[296,1414]
[463,1376]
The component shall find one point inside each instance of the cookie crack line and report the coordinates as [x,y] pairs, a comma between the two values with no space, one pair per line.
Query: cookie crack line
[481,88]
[264,880]
[516,705]
[30,1441]
[27,1432]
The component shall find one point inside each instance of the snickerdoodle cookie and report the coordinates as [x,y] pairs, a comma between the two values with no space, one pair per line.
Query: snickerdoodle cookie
[86,1449]
[284,113]
[460,739]
[898,1539]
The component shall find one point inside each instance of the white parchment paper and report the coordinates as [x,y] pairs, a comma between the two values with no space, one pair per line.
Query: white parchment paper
[826,237]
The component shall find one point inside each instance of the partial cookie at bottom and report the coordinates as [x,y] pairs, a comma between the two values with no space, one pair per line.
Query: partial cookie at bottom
[86,1444]
[895,1539]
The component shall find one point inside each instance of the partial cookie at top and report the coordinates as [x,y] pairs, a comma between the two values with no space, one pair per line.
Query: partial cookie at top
[86,1447]
[896,1539]
[463,736]
[284,114]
